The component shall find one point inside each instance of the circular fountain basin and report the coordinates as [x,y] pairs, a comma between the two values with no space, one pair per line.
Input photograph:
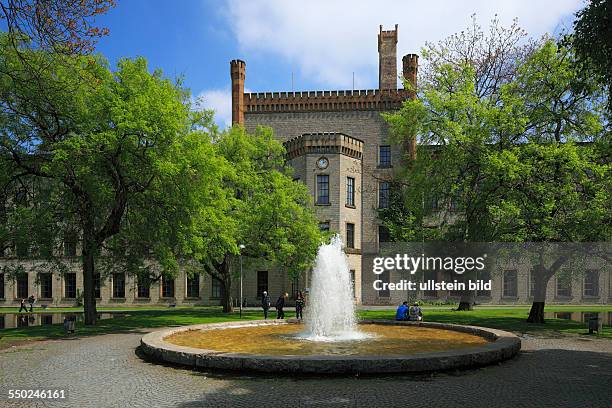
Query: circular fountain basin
[276,346]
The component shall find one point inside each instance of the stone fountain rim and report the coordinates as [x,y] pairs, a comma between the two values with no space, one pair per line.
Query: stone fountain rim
[502,346]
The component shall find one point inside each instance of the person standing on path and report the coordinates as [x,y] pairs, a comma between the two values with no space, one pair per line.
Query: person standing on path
[280,304]
[299,305]
[22,306]
[266,302]
[31,301]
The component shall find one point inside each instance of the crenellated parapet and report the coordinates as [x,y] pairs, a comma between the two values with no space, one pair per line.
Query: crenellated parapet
[324,142]
[322,101]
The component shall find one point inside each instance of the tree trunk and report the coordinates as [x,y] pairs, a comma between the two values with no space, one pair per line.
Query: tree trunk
[536,314]
[226,281]
[466,302]
[468,297]
[228,307]
[89,294]
[541,276]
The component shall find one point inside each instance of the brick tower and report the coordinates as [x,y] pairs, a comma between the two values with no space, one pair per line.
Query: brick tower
[387,59]
[410,68]
[238,74]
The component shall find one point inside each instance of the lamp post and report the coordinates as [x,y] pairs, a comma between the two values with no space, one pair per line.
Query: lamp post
[241,246]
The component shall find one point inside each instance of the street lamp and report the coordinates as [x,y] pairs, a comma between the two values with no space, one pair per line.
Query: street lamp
[241,246]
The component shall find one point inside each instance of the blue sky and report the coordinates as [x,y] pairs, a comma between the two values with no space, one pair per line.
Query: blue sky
[321,42]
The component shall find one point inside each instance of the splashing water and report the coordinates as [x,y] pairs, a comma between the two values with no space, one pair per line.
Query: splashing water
[330,315]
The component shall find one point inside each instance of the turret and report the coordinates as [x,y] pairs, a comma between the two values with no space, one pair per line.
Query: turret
[238,74]
[410,68]
[387,59]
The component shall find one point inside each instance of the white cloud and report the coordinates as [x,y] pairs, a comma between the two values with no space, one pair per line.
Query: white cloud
[220,100]
[328,40]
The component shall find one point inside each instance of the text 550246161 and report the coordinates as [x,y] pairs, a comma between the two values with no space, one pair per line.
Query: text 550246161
[37,394]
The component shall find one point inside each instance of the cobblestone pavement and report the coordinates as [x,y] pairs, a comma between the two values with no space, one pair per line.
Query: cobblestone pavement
[105,371]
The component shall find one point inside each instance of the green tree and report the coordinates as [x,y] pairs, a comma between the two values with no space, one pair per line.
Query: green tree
[65,26]
[470,142]
[592,40]
[124,156]
[556,174]
[268,212]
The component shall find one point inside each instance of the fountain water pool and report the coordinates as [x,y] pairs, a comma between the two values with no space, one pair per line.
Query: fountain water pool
[331,341]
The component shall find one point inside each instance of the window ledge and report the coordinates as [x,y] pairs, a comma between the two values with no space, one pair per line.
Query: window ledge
[167,298]
[193,298]
[323,204]
[142,298]
[117,298]
[45,299]
[353,251]
[384,166]
[350,206]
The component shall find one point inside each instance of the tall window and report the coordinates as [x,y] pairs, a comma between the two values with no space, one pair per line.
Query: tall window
[22,286]
[1,286]
[144,287]
[591,283]
[217,289]
[70,244]
[383,234]
[564,286]
[119,285]
[1,321]
[193,286]
[383,194]
[350,191]
[322,189]
[384,156]
[429,275]
[46,285]
[167,287]
[350,235]
[97,285]
[485,276]
[386,278]
[352,272]
[510,283]
[262,282]
[70,285]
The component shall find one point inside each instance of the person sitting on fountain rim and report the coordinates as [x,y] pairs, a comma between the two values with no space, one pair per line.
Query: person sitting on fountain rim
[402,312]
[415,313]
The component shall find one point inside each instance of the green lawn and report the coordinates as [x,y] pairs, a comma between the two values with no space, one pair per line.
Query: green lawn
[506,318]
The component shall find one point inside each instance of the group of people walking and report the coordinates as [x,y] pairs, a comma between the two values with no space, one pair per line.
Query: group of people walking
[23,306]
[266,303]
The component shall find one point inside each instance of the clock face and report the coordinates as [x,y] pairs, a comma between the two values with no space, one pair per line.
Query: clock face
[322,163]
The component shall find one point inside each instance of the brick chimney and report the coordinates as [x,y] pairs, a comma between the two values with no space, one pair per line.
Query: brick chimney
[387,59]
[238,74]
[410,68]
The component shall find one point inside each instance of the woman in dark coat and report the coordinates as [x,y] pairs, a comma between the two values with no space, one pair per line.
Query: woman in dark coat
[280,304]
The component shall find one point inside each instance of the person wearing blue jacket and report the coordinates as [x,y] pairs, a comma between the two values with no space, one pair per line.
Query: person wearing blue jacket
[402,312]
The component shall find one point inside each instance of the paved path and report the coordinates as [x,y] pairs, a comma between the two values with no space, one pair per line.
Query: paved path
[104,371]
